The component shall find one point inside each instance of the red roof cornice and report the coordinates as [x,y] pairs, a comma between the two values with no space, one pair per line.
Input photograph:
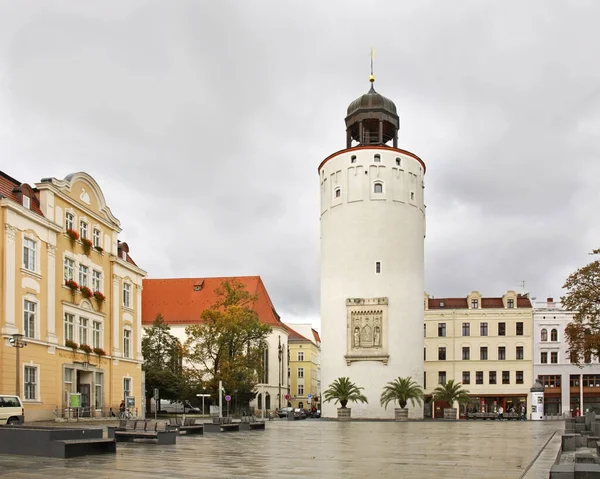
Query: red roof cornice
[373,147]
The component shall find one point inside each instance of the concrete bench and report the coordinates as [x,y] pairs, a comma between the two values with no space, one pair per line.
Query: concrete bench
[83,447]
[221,427]
[155,430]
[188,426]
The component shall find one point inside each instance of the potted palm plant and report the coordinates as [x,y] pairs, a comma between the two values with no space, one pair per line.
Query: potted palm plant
[451,392]
[343,390]
[401,390]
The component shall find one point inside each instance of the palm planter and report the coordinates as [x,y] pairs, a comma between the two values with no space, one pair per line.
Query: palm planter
[451,392]
[343,390]
[401,390]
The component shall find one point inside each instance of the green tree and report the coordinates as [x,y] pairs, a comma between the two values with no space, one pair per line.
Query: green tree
[583,299]
[451,392]
[162,361]
[343,390]
[228,344]
[402,390]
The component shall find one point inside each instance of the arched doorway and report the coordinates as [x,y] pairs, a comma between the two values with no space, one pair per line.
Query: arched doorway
[267,401]
[260,401]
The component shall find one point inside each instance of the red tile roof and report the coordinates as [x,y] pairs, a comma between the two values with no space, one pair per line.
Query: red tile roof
[486,303]
[295,335]
[9,188]
[316,335]
[182,300]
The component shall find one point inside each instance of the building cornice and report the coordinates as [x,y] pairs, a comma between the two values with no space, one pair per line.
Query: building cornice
[373,147]
[129,266]
[19,209]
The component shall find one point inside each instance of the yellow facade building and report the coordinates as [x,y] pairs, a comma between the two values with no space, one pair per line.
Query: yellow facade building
[305,366]
[483,343]
[70,294]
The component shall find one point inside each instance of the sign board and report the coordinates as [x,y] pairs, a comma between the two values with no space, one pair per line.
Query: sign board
[214,411]
[287,397]
[130,401]
[309,396]
[309,400]
[74,399]
[228,398]
[155,393]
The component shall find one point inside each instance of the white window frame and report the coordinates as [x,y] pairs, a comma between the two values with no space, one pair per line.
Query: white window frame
[83,330]
[301,390]
[30,254]
[84,273]
[126,294]
[36,384]
[300,355]
[127,341]
[375,185]
[69,325]
[69,221]
[83,229]
[97,334]
[27,202]
[129,381]
[98,389]
[96,237]
[69,269]
[27,316]
[96,280]
[301,372]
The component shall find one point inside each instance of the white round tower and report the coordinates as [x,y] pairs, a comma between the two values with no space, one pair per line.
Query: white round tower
[372,265]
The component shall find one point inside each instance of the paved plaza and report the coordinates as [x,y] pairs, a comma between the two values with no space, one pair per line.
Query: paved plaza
[319,448]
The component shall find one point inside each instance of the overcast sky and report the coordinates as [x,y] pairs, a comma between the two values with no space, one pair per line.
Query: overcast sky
[204,124]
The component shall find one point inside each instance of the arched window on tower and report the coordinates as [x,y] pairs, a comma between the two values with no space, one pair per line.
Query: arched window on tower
[397,161]
[353,159]
[544,335]
[378,187]
[337,193]
[554,335]
[377,159]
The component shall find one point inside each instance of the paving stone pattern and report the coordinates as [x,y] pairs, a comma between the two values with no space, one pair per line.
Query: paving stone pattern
[318,448]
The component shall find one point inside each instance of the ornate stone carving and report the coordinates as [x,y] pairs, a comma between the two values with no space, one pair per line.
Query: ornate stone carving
[84,196]
[51,251]
[10,232]
[367,329]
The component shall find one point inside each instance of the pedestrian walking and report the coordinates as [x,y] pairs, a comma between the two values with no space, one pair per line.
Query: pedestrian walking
[122,410]
[501,413]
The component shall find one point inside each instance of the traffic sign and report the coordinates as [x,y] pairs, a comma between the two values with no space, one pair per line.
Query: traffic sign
[287,397]
[228,398]
[309,396]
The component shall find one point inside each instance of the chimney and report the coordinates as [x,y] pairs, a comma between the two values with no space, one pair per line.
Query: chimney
[550,300]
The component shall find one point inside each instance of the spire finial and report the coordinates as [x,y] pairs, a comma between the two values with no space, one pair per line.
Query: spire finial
[372,76]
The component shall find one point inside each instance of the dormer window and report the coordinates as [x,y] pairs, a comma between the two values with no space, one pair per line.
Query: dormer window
[377,159]
[510,303]
[26,202]
[474,304]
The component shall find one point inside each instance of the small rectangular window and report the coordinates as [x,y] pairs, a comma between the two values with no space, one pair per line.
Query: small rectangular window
[510,303]
[441,330]
[466,329]
[29,319]
[83,229]
[26,202]
[377,159]
[300,372]
[69,269]
[300,389]
[83,275]
[442,377]
[466,377]
[554,357]
[127,295]
[478,377]
[505,377]
[519,375]
[483,329]
[300,356]
[126,343]
[492,377]
[474,304]
[69,327]
[544,357]
[96,238]
[519,352]
[378,267]
[466,353]
[30,383]
[29,254]
[519,329]
[397,161]
[483,353]
[501,353]
[424,330]
[442,353]
[353,159]
[69,221]
[501,329]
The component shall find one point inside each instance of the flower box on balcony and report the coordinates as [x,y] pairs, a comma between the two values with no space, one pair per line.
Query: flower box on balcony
[99,248]
[99,352]
[87,245]
[98,296]
[72,285]
[86,348]
[69,343]
[74,235]
[86,292]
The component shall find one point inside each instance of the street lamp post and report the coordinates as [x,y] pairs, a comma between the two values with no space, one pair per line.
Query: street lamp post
[279,354]
[16,341]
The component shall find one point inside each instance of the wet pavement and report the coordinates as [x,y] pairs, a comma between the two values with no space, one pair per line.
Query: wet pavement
[319,448]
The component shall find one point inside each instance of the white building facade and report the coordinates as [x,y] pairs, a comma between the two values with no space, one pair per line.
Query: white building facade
[568,386]
[372,266]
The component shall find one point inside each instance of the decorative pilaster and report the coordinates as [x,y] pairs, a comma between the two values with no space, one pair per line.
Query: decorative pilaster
[116,317]
[10,271]
[51,282]
[138,329]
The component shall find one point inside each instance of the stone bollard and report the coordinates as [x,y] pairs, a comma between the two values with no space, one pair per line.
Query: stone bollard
[592,440]
[570,425]
[562,471]
[579,427]
[588,471]
[595,428]
[569,442]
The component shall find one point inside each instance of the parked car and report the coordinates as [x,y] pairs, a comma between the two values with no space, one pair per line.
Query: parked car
[299,413]
[11,410]
[283,412]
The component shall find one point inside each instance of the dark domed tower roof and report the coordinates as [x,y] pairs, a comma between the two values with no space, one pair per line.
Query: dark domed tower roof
[372,119]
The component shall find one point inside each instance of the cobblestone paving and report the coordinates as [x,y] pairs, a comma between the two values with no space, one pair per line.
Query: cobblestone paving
[316,448]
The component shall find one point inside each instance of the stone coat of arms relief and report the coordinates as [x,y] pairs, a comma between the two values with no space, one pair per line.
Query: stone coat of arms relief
[367,329]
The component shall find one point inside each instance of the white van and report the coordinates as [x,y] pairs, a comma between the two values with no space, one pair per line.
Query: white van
[11,410]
